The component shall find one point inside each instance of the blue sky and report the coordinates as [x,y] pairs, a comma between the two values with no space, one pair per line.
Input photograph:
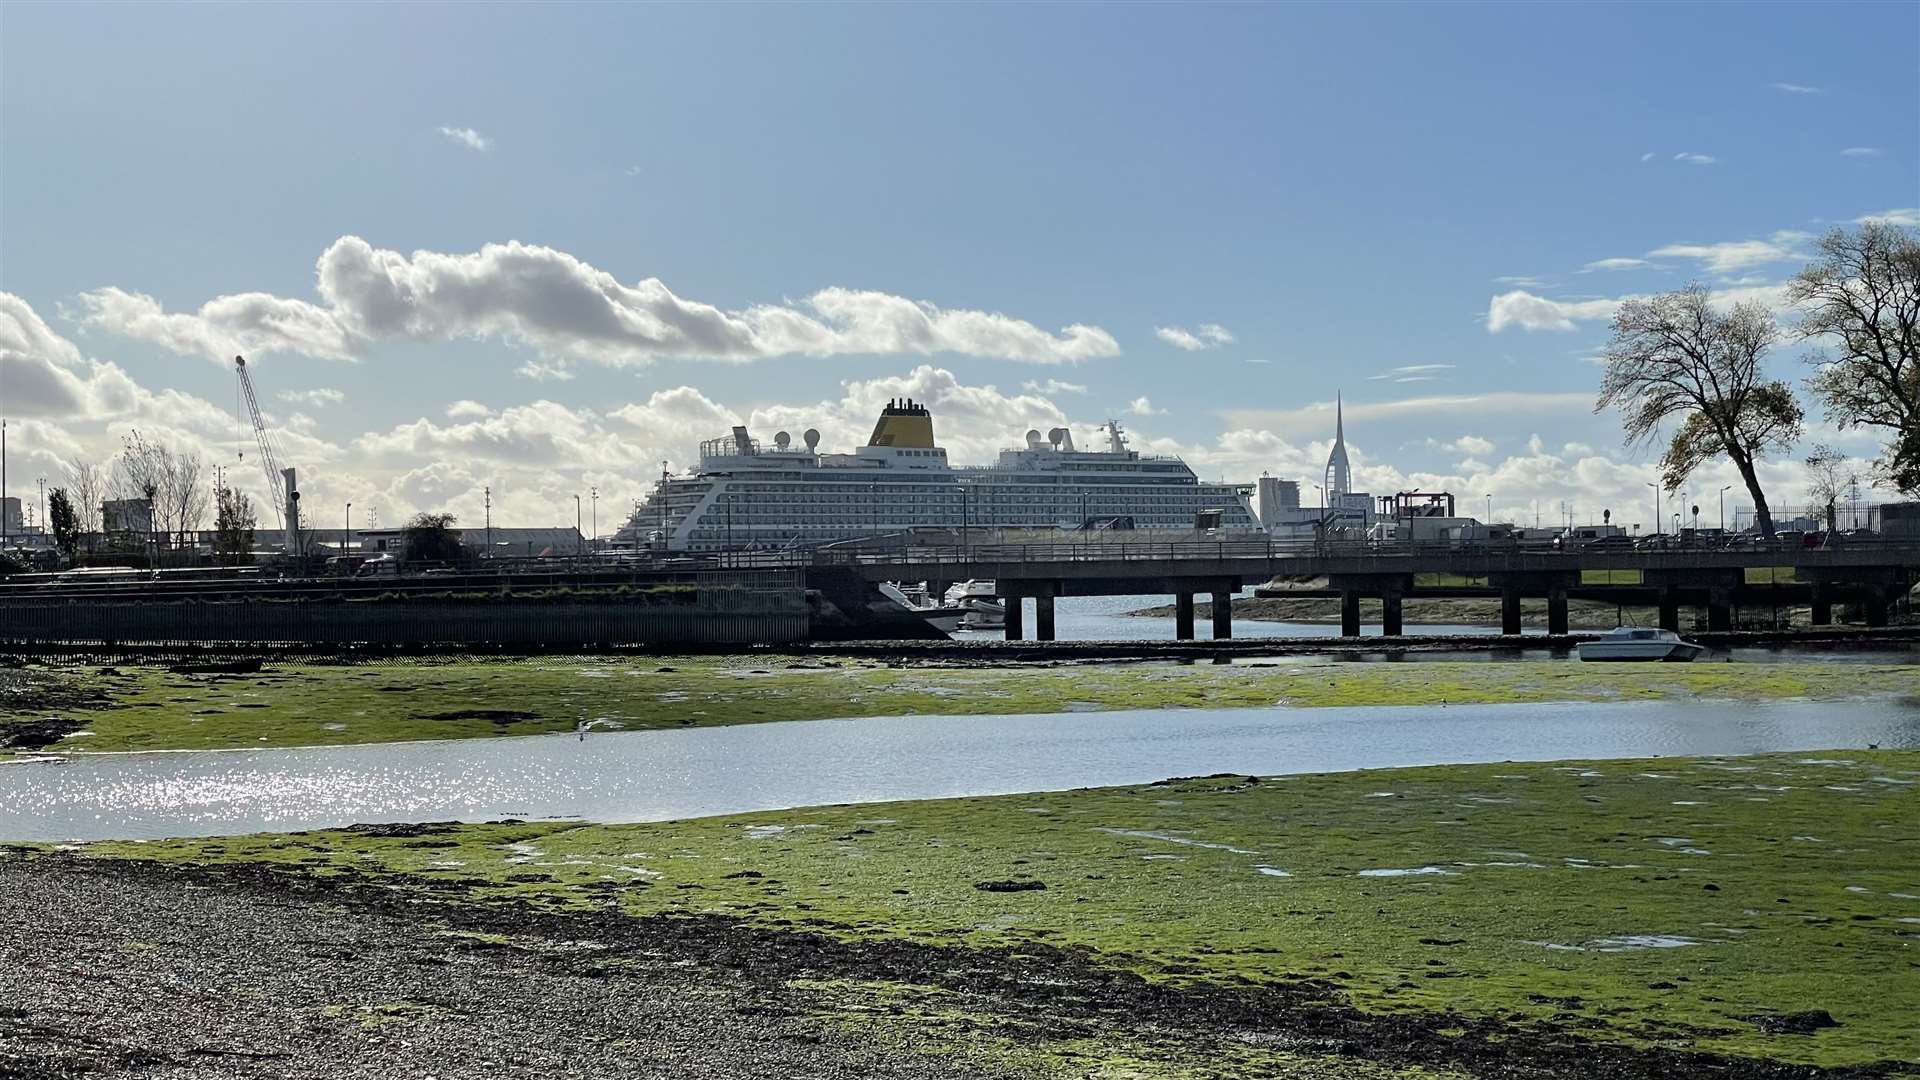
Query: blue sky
[1341,188]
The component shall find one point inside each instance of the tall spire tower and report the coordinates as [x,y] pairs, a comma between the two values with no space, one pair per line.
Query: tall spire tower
[1339,477]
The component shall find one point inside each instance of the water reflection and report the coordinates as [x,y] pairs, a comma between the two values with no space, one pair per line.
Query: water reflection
[640,776]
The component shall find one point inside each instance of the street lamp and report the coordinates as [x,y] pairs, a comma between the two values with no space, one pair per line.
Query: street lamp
[1656,508]
[1489,507]
[596,517]
[1723,507]
[346,530]
[578,540]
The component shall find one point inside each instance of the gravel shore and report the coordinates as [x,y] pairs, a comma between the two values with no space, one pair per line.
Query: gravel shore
[104,972]
[137,969]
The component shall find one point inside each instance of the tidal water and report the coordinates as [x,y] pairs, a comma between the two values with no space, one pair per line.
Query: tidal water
[642,776]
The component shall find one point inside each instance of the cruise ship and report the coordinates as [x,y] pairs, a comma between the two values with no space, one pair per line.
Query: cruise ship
[748,496]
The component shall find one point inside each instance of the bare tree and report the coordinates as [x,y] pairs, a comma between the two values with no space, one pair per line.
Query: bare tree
[1829,475]
[1863,296]
[1673,357]
[171,482]
[88,484]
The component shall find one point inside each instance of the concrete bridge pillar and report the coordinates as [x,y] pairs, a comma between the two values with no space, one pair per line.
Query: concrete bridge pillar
[1557,609]
[1822,605]
[1015,606]
[1043,618]
[1349,613]
[1720,610]
[1222,615]
[1669,611]
[1390,622]
[1510,611]
[1873,607]
[1183,616]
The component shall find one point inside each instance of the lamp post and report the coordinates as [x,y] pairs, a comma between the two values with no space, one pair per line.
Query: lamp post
[1656,508]
[578,540]
[487,494]
[346,530]
[1489,507]
[1723,507]
[41,516]
[596,517]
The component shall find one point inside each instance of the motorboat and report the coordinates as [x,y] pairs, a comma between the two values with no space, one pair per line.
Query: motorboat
[945,618]
[1636,643]
[981,604]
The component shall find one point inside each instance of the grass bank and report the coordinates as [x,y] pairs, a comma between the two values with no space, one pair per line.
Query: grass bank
[312,705]
[1766,908]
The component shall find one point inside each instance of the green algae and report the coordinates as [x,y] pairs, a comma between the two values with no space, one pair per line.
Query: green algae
[1661,902]
[317,705]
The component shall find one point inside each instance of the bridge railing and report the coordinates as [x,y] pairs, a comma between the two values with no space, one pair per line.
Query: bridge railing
[1786,552]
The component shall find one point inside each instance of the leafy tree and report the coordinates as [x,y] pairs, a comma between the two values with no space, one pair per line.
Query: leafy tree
[1863,297]
[431,538]
[1674,358]
[233,524]
[65,523]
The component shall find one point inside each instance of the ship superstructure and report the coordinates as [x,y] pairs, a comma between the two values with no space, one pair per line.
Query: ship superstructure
[747,495]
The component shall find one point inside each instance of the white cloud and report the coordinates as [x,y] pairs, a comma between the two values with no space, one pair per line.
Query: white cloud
[1730,256]
[1471,445]
[1529,312]
[317,398]
[1524,281]
[468,138]
[1696,159]
[1411,373]
[568,310]
[1797,88]
[1053,386]
[1907,216]
[1205,336]
[1429,412]
[467,407]
[1862,151]
[542,372]
[1648,156]
[1616,264]
[224,327]
[1143,407]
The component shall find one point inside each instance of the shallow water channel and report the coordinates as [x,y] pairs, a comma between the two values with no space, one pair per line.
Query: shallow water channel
[659,775]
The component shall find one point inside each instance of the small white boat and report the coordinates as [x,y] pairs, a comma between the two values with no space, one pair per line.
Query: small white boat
[983,609]
[944,618]
[1634,643]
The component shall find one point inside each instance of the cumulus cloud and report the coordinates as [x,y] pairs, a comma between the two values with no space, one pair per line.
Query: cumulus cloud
[223,327]
[467,137]
[1530,312]
[1797,88]
[1731,256]
[318,398]
[1695,159]
[467,407]
[1524,281]
[1142,406]
[1471,445]
[566,309]
[1862,151]
[1907,216]
[1204,336]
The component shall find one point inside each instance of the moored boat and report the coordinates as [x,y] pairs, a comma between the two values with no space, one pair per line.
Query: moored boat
[1630,643]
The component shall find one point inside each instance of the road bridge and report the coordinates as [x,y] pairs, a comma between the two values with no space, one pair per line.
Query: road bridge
[1873,574]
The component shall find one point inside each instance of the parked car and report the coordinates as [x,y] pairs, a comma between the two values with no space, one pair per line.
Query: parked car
[1610,543]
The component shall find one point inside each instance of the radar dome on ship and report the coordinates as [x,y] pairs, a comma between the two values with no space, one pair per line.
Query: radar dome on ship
[781,439]
[811,437]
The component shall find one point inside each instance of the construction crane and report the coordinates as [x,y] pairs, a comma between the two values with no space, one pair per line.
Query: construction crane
[282,490]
